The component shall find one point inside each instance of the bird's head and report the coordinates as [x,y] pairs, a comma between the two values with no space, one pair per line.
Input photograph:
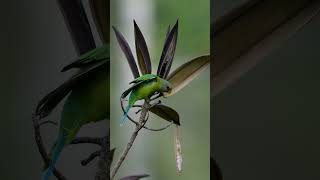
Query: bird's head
[166,86]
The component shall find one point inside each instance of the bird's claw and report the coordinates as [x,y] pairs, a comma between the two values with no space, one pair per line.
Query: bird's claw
[154,104]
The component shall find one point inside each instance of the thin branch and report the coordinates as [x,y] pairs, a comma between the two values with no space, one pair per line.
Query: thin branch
[156,96]
[90,158]
[159,102]
[137,123]
[87,140]
[139,126]
[103,142]
[41,147]
[48,122]
[103,165]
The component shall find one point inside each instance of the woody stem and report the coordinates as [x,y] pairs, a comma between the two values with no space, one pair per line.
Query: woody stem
[142,121]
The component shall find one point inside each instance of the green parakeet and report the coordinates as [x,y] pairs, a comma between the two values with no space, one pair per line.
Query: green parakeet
[147,84]
[144,87]
[87,102]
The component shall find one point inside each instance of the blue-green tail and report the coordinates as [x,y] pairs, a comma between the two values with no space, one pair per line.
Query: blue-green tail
[55,155]
[125,115]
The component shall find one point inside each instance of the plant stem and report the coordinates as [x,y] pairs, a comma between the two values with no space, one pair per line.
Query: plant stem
[102,173]
[139,126]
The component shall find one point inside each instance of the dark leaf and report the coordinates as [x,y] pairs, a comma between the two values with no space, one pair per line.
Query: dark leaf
[168,52]
[166,113]
[215,170]
[241,41]
[78,25]
[168,31]
[142,51]
[135,177]
[186,73]
[127,52]
[50,101]
[101,14]
[111,154]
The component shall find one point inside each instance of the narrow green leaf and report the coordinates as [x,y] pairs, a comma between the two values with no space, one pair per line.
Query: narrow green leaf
[142,51]
[166,113]
[183,75]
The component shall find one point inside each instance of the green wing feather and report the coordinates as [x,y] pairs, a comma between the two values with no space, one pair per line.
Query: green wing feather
[137,82]
[91,57]
[51,100]
[144,78]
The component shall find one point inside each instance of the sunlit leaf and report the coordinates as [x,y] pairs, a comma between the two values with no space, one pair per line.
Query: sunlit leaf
[168,52]
[166,113]
[135,177]
[183,75]
[127,52]
[142,51]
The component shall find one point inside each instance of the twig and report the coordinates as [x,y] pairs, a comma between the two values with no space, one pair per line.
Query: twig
[137,123]
[48,122]
[139,126]
[41,147]
[103,153]
[87,140]
[159,102]
[156,96]
[103,168]
[90,158]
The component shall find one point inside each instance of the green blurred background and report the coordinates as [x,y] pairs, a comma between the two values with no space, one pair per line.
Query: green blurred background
[153,152]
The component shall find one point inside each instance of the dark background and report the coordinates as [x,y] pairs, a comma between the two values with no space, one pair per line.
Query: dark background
[266,124]
[37,45]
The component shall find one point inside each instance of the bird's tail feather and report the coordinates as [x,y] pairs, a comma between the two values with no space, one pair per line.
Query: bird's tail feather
[125,115]
[55,155]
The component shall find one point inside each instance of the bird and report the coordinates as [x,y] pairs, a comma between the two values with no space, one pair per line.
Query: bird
[144,87]
[88,99]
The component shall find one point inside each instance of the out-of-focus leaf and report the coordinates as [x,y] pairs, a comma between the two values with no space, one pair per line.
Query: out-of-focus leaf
[78,25]
[127,52]
[135,177]
[142,51]
[216,172]
[51,100]
[241,42]
[101,14]
[166,113]
[168,52]
[186,73]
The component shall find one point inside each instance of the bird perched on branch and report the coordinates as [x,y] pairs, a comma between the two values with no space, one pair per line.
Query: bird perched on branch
[144,87]
[88,99]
